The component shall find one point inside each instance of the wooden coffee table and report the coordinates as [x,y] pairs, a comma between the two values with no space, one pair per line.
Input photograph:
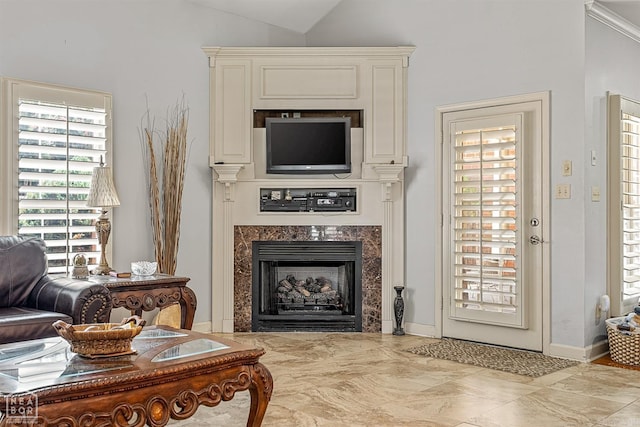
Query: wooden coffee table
[171,374]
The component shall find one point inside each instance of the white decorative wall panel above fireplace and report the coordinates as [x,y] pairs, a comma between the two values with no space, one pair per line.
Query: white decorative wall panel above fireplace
[250,84]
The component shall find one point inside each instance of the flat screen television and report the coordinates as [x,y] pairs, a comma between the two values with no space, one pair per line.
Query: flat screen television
[308,145]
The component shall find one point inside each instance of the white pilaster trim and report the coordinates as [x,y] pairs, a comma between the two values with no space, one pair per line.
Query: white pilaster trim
[387,326]
[388,175]
[228,176]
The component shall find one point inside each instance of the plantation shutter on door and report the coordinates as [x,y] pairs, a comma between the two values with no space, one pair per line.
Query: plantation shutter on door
[630,165]
[630,205]
[495,283]
[486,283]
[58,147]
[623,204]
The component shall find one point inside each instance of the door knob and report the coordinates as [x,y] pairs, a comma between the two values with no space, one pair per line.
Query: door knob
[535,240]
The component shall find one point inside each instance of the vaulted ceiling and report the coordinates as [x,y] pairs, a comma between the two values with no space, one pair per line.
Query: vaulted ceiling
[302,15]
[295,15]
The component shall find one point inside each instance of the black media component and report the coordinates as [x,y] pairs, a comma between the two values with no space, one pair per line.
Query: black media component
[307,200]
[311,145]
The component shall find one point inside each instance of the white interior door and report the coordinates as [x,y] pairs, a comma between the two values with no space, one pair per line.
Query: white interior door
[493,223]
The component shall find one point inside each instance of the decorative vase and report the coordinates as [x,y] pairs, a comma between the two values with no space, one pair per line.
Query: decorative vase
[398,308]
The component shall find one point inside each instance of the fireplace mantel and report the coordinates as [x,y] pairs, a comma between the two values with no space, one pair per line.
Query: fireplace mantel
[371,80]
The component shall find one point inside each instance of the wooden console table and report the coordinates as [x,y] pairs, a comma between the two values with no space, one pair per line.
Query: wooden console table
[146,293]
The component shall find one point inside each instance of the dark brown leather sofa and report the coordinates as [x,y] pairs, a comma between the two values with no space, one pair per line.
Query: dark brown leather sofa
[31,300]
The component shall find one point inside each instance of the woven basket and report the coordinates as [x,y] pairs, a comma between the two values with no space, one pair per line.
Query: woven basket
[624,346]
[100,339]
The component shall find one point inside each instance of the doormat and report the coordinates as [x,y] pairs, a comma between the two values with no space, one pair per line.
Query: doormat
[519,362]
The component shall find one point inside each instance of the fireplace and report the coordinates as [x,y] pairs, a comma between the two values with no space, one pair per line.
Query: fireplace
[370,238]
[307,286]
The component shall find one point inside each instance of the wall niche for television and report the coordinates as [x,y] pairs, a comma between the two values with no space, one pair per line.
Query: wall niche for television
[259,142]
[259,116]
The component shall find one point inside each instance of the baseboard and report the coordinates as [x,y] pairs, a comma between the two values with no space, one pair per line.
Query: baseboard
[420,330]
[204,327]
[598,350]
[227,326]
[583,354]
[387,326]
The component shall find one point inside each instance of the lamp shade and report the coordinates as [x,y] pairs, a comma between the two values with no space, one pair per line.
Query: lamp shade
[102,192]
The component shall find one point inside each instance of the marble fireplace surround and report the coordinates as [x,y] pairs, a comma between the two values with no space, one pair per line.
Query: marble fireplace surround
[371,237]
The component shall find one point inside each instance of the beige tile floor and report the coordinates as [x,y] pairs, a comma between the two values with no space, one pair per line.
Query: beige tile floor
[353,379]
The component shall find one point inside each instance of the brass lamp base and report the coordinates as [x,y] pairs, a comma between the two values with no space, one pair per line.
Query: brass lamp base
[103,229]
[101,270]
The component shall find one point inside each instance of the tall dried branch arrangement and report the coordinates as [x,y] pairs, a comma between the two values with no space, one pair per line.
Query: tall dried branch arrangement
[166,156]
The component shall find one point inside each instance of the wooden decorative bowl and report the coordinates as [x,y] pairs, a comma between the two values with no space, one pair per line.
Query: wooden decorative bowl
[101,339]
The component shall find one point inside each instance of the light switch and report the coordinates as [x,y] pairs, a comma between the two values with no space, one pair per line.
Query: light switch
[566,168]
[563,191]
[595,193]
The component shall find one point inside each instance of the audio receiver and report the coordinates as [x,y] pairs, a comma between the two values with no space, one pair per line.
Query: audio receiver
[307,200]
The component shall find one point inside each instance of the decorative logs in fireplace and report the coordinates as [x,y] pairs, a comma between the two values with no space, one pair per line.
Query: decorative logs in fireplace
[307,286]
[307,294]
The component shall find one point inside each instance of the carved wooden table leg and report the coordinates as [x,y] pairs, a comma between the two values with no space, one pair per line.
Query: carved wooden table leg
[188,304]
[260,390]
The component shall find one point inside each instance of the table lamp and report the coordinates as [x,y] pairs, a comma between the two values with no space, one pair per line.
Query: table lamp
[102,194]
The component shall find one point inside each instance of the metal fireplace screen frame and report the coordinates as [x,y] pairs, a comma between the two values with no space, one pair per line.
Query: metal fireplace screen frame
[341,260]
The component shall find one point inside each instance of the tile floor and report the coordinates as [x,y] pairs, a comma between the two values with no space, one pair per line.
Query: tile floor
[333,380]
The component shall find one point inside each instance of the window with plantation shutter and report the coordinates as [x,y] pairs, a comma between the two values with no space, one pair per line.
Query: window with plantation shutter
[60,134]
[624,204]
[484,207]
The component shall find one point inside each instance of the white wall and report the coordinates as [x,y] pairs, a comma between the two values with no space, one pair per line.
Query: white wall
[612,64]
[466,50]
[471,50]
[138,51]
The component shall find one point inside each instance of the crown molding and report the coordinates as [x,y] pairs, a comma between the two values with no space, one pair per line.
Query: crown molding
[608,17]
[381,51]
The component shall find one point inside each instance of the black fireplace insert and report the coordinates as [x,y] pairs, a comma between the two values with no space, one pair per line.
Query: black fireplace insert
[307,286]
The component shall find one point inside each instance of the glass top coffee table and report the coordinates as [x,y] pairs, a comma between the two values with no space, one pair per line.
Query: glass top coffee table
[171,374]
